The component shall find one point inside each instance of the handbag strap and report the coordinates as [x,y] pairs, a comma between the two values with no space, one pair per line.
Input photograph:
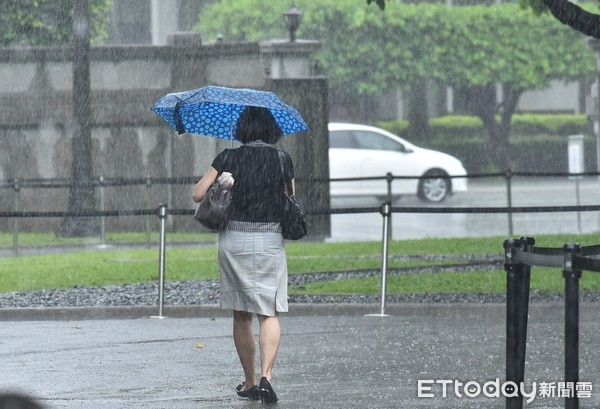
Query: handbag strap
[281,156]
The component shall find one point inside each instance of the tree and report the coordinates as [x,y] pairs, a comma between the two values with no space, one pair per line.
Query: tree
[563,10]
[44,23]
[571,14]
[358,56]
[60,22]
[471,48]
[542,52]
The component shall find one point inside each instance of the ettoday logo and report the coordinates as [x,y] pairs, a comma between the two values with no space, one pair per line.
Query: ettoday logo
[430,388]
[473,389]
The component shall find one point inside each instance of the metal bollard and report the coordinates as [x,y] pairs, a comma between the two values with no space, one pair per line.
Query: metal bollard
[389,179]
[102,208]
[508,176]
[17,188]
[386,211]
[517,305]
[578,203]
[572,277]
[162,216]
[148,223]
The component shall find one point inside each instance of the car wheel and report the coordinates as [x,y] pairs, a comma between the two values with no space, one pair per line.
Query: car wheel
[434,186]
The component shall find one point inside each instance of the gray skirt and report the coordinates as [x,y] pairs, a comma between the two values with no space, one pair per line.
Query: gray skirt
[253,270]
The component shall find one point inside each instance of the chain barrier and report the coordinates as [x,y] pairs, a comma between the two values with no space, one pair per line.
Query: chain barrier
[520,256]
[386,210]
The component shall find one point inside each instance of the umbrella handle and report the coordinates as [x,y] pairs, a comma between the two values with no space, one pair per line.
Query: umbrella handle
[179,126]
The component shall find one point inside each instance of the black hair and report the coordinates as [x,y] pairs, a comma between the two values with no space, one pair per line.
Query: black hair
[257,123]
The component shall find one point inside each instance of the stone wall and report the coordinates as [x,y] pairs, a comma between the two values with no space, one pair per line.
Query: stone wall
[129,140]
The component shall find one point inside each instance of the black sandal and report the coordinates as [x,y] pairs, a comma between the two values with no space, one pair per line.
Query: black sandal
[251,393]
[266,392]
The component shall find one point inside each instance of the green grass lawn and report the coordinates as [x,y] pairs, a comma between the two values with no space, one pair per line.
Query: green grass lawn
[45,239]
[106,267]
[489,281]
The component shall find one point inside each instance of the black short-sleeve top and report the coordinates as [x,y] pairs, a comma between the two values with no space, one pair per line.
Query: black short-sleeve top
[258,181]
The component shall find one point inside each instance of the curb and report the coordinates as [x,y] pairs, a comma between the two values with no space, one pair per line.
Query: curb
[296,310]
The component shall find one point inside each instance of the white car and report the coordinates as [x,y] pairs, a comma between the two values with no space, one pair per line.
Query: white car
[363,151]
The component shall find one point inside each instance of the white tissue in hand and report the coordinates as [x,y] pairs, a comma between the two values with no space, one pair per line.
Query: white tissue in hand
[226,179]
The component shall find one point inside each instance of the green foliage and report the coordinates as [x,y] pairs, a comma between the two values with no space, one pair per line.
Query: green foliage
[43,23]
[399,127]
[559,124]
[451,126]
[545,134]
[537,6]
[241,21]
[456,122]
[506,44]
[456,125]
[550,153]
[368,51]
[474,153]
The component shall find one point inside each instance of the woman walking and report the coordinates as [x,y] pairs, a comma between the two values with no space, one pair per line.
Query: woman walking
[252,260]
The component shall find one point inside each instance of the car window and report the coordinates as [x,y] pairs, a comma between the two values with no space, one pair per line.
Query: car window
[372,140]
[342,140]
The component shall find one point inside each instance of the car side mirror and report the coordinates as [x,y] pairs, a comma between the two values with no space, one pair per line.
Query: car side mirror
[403,149]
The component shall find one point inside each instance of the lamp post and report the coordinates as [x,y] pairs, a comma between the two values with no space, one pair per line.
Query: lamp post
[82,197]
[293,17]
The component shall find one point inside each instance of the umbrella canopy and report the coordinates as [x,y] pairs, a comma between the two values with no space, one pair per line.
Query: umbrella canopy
[214,111]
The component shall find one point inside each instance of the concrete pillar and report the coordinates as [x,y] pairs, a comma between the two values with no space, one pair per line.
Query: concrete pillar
[293,76]
[283,59]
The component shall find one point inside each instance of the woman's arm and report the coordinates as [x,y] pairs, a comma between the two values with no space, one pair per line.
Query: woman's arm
[202,186]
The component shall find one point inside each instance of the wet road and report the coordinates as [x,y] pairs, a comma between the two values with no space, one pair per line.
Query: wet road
[481,193]
[336,359]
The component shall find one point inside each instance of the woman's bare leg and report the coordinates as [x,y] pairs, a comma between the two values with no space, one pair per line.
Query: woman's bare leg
[270,335]
[243,337]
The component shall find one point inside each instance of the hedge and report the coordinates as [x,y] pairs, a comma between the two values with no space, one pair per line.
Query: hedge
[538,153]
[560,124]
[538,142]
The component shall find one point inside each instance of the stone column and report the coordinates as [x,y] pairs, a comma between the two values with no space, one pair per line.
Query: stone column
[292,77]
[283,59]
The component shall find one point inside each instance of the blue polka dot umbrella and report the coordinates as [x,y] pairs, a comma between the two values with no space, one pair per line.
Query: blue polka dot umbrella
[214,111]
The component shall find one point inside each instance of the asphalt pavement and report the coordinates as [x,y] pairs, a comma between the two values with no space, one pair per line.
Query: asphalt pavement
[525,192]
[331,356]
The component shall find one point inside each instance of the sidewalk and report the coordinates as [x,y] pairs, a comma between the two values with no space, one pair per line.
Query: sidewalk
[331,356]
